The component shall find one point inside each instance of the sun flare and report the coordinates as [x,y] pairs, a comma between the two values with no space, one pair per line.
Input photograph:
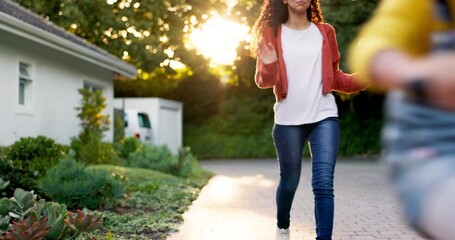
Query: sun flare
[218,40]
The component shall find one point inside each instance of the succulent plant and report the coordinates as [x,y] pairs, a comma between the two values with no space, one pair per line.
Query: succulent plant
[81,222]
[3,184]
[30,228]
[20,206]
[56,214]
[4,223]
[54,223]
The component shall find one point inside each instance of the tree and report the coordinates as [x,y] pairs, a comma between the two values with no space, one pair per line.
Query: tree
[146,33]
[93,121]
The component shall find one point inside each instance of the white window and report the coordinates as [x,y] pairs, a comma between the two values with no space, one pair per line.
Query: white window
[92,87]
[25,84]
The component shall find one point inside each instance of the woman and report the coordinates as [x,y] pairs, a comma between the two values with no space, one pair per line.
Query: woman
[297,54]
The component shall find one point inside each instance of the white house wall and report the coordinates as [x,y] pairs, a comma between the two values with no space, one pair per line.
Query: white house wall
[56,80]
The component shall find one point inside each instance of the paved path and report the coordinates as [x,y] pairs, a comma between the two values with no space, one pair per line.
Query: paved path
[238,204]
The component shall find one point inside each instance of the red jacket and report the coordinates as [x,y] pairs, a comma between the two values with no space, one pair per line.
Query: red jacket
[274,74]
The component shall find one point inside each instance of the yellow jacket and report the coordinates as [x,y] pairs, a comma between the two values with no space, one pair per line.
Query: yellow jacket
[400,24]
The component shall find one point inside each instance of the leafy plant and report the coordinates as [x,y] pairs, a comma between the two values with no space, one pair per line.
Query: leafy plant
[81,222]
[89,145]
[128,146]
[4,224]
[56,214]
[3,184]
[186,162]
[31,228]
[71,183]
[119,125]
[95,151]
[35,219]
[20,206]
[158,158]
[28,159]
[91,114]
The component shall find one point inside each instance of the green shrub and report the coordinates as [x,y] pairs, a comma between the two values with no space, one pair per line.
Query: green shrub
[3,151]
[93,121]
[71,183]
[127,146]
[161,159]
[158,158]
[360,136]
[94,151]
[27,160]
[187,163]
[119,125]
[30,148]
[209,143]
[89,146]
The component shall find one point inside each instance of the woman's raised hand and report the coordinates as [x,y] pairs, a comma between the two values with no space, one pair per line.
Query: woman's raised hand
[267,53]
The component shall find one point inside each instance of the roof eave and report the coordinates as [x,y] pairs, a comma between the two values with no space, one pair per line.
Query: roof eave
[25,30]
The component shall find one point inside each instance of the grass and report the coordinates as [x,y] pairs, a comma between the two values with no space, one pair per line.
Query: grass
[153,205]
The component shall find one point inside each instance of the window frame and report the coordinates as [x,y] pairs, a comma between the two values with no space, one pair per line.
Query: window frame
[92,87]
[25,84]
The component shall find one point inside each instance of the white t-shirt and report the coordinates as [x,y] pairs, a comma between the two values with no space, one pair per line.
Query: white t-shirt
[302,52]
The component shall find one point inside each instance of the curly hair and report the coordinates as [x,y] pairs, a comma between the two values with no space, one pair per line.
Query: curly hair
[275,12]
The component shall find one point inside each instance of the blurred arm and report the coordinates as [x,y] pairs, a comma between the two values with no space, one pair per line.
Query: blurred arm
[390,44]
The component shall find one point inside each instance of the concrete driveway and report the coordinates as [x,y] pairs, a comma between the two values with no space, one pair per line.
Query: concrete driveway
[239,203]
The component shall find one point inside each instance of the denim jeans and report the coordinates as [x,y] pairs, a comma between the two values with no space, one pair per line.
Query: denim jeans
[419,149]
[289,142]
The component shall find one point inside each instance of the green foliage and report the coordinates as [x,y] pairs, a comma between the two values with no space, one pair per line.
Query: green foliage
[3,184]
[208,143]
[56,214]
[3,151]
[153,206]
[239,131]
[30,148]
[20,206]
[31,228]
[351,143]
[132,177]
[71,183]
[158,158]
[93,122]
[347,18]
[119,125]
[26,210]
[242,129]
[137,27]
[81,222]
[186,164]
[95,151]
[201,95]
[27,160]
[4,224]
[89,145]
[127,146]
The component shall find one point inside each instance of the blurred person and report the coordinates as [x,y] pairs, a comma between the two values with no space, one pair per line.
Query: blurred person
[408,49]
[297,55]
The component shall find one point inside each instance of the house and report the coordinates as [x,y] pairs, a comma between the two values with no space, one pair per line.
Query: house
[42,67]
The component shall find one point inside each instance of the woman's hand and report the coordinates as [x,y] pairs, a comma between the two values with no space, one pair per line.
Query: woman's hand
[267,53]
[395,69]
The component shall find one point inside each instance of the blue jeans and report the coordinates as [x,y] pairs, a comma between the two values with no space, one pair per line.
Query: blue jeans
[419,150]
[289,142]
